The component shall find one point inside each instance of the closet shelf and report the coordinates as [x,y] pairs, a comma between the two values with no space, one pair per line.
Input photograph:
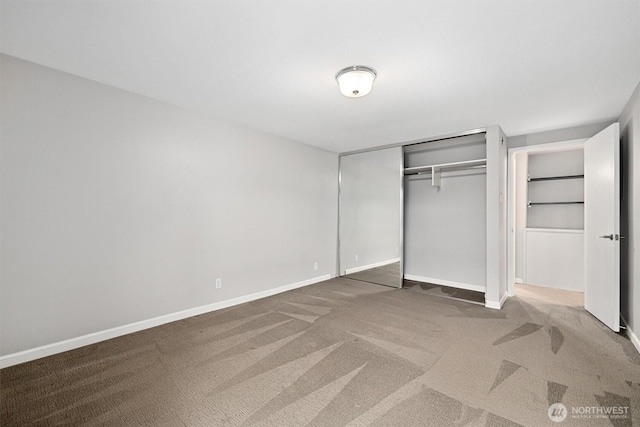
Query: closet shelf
[435,170]
[553,203]
[554,178]
[444,167]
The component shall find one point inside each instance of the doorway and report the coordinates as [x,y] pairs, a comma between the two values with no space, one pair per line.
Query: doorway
[589,244]
[546,216]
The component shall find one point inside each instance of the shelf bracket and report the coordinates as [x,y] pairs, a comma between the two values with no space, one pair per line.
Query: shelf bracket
[435,176]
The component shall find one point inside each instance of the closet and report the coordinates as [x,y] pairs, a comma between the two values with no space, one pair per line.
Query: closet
[446,212]
[451,206]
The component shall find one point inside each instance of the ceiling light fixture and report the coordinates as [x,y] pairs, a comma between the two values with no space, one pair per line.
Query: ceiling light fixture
[356,81]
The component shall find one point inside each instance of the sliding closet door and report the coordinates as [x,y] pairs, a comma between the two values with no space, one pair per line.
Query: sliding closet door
[370,230]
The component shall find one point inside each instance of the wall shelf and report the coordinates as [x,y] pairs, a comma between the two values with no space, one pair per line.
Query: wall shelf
[529,204]
[555,190]
[554,178]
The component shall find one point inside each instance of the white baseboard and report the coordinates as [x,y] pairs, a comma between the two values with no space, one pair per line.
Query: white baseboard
[632,335]
[634,338]
[517,280]
[497,305]
[467,286]
[369,266]
[73,343]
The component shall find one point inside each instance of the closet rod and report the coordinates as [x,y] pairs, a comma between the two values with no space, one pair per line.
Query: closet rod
[447,167]
[430,171]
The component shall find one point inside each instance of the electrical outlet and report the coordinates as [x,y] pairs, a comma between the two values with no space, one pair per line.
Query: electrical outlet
[356,257]
[315,265]
[218,283]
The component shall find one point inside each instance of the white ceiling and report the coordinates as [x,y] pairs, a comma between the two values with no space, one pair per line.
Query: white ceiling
[443,66]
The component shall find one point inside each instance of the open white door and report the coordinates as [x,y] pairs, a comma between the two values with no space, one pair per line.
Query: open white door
[602,226]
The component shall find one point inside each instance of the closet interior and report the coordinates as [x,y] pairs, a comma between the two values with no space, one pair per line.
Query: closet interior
[445,212]
[429,213]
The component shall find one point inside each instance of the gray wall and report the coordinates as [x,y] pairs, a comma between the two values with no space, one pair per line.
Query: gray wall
[370,207]
[116,208]
[630,213]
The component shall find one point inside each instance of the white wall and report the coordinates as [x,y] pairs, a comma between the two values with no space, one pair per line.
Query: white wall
[630,215]
[116,208]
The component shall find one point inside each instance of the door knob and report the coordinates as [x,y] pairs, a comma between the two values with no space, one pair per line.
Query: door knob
[607,236]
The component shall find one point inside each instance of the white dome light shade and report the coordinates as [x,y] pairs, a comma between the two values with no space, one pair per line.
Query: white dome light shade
[356,81]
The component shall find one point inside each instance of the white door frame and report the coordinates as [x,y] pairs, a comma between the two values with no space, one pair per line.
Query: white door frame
[573,144]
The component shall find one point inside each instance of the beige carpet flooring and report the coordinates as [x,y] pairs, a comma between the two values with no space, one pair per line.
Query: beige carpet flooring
[445,291]
[342,352]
